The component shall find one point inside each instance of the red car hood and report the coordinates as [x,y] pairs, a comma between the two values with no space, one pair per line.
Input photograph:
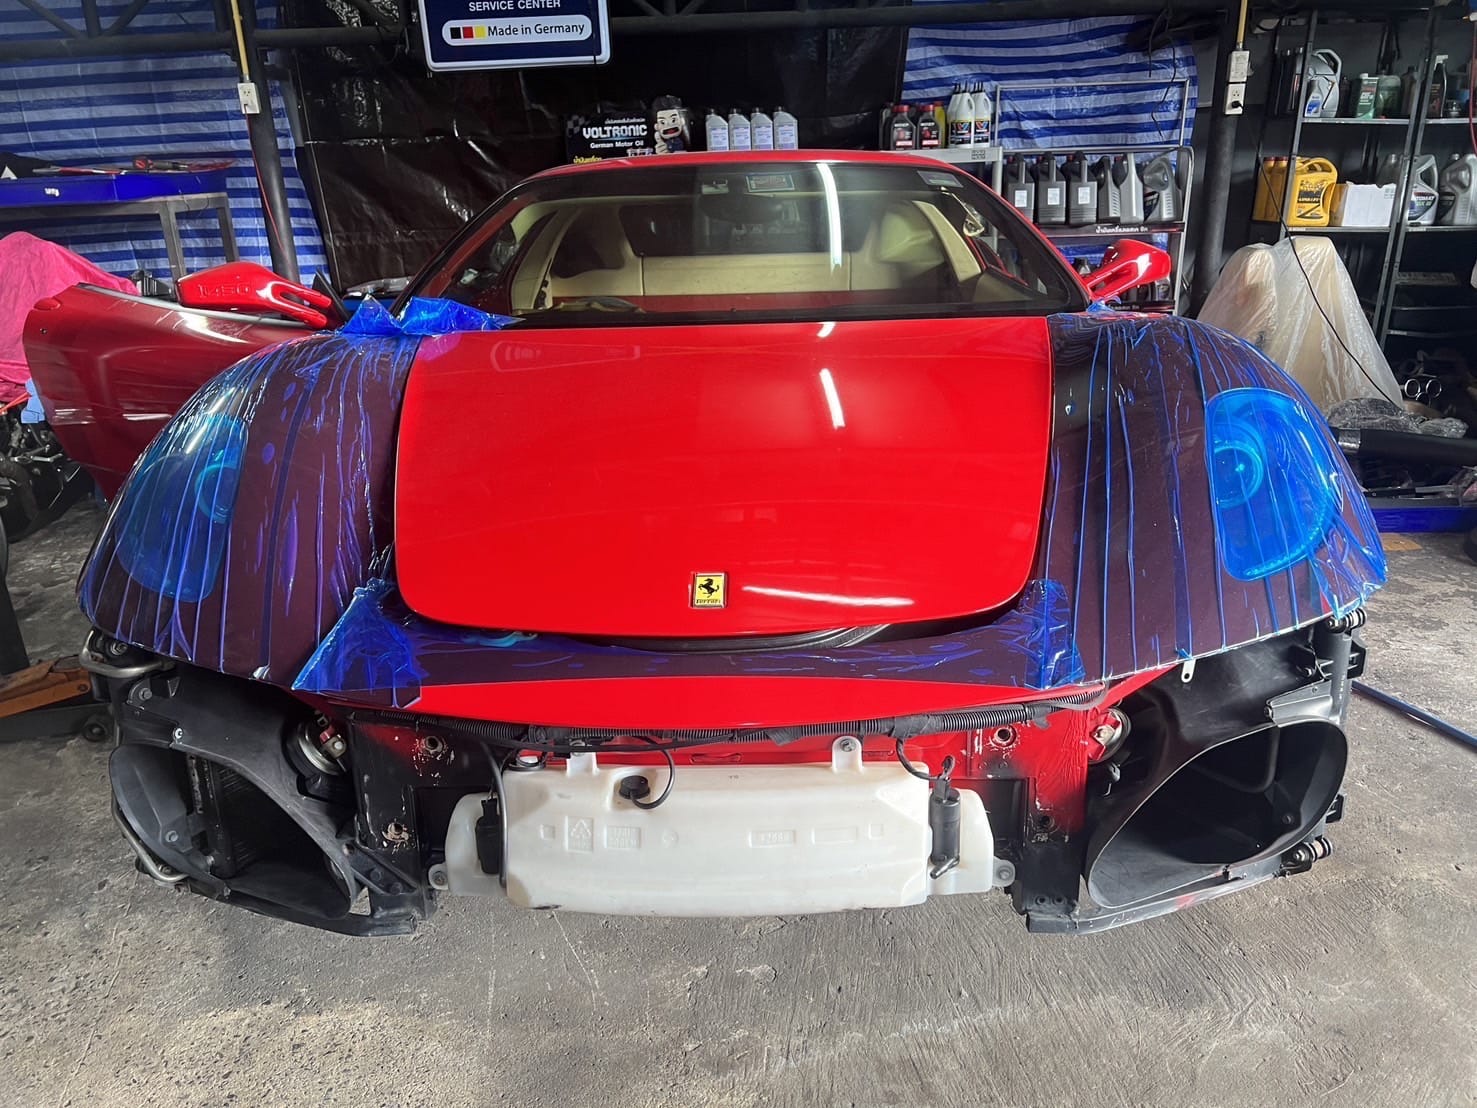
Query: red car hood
[624,481]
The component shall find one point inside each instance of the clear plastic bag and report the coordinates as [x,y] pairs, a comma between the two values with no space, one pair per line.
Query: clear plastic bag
[1301,311]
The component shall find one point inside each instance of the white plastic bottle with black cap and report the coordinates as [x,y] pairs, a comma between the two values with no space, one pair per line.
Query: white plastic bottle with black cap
[980,125]
[740,135]
[786,130]
[960,115]
[761,130]
[716,128]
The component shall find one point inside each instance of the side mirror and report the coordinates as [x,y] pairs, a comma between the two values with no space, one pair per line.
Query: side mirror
[1127,264]
[248,287]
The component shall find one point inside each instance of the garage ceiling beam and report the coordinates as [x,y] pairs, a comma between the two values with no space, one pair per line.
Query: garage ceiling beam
[890,15]
[671,18]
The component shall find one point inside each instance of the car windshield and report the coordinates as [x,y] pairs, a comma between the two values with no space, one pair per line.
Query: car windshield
[750,240]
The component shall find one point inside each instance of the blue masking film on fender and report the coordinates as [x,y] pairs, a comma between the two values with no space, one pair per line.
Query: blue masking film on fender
[422,317]
[365,650]
[172,534]
[1272,480]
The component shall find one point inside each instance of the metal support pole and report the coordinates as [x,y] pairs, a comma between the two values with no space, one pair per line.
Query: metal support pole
[1220,153]
[262,131]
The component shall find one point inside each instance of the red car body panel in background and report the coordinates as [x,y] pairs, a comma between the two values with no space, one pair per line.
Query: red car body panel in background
[112,369]
[578,480]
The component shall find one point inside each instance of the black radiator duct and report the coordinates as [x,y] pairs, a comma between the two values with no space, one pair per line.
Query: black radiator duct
[1238,764]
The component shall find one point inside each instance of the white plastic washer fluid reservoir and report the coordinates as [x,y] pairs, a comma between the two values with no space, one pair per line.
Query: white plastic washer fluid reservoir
[727,841]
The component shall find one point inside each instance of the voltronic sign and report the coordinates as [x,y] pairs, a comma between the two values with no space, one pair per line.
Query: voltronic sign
[508,34]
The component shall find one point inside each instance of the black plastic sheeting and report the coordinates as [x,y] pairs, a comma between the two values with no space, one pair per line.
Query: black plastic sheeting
[397,159]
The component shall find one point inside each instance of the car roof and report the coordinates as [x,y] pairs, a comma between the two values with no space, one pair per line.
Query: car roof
[749,157]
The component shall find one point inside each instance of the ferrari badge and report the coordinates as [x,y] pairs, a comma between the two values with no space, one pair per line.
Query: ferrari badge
[709,590]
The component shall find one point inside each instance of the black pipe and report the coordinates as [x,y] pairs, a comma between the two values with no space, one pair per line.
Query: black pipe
[1220,153]
[261,128]
[1405,446]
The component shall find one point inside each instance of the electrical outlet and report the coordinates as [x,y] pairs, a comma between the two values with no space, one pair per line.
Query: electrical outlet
[1239,68]
[1235,97]
[250,102]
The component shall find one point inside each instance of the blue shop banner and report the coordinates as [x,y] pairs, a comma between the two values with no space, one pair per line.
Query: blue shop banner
[510,34]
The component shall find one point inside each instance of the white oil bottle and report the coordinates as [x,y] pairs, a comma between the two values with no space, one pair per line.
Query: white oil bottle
[960,115]
[980,124]
[716,128]
[786,130]
[740,136]
[761,130]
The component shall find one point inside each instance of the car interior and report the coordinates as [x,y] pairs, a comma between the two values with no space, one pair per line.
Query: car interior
[735,250]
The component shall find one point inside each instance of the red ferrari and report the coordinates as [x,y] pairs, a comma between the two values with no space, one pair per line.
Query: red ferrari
[711,534]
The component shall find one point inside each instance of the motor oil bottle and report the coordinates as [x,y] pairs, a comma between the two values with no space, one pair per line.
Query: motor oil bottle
[1438,88]
[1456,205]
[1164,200]
[1312,191]
[1286,82]
[1107,192]
[740,135]
[1269,184]
[1130,189]
[980,127]
[1051,193]
[715,127]
[961,117]
[1408,84]
[786,130]
[1423,185]
[930,137]
[1020,185]
[761,130]
[1322,98]
[1082,189]
[902,133]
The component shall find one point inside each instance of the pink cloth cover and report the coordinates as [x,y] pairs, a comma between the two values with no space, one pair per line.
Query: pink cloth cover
[30,270]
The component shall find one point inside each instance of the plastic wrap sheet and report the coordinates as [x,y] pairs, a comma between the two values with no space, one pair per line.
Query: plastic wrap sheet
[1264,296]
[1194,503]
[1135,521]
[1136,571]
[383,653]
[247,525]
[422,316]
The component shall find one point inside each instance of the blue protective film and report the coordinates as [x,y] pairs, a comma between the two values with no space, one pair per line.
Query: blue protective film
[1193,504]
[1272,477]
[251,520]
[172,533]
[366,649]
[421,317]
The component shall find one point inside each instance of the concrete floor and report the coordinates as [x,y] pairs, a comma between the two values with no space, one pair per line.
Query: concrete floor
[1354,985]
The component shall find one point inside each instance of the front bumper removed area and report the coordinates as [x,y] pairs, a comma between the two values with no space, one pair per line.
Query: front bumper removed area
[359,824]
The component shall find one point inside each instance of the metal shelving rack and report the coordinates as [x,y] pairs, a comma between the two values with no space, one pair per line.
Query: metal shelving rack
[993,157]
[1413,132]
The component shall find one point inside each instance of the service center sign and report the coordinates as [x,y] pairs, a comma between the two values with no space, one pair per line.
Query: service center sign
[508,34]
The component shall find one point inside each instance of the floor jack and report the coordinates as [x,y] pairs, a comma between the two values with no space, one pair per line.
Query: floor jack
[46,700]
